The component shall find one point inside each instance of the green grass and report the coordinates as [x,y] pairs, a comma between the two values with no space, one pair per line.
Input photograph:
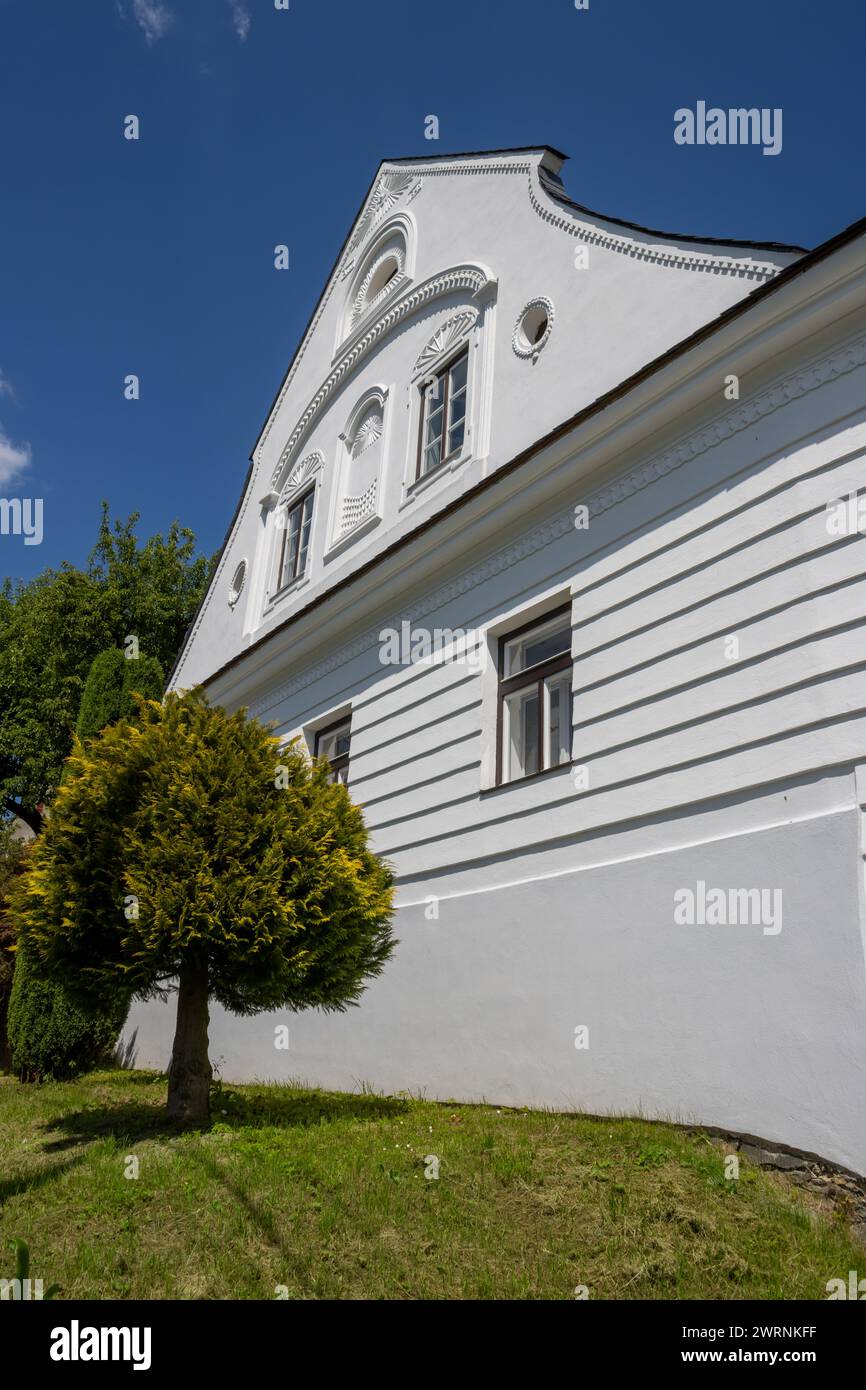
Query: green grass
[326,1195]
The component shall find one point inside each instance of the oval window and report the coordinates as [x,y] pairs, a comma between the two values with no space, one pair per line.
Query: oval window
[237,583]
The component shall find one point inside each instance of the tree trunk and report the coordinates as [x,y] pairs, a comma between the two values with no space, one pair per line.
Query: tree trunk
[189,1075]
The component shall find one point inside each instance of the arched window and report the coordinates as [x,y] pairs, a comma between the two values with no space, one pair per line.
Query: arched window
[383,272]
[293,524]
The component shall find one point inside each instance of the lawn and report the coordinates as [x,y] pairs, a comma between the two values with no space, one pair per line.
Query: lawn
[305,1194]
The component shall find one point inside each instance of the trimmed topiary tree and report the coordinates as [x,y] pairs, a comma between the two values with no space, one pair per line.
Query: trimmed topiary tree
[108,691]
[185,845]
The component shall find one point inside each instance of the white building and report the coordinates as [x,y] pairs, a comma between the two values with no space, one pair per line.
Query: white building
[585,473]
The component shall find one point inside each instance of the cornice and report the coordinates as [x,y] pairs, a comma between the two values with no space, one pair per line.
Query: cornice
[728,423]
[569,221]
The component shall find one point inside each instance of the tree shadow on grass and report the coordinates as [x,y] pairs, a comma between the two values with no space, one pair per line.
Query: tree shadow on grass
[260,1217]
[31,1182]
[133,1121]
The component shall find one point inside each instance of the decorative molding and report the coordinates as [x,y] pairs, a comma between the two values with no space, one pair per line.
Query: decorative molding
[236,587]
[360,307]
[569,221]
[393,184]
[519,342]
[302,472]
[731,422]
[389,188]
[463,277]
[358,509]
[367,433]
[445,338]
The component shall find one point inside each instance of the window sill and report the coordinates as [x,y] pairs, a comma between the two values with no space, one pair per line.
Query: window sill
[530,777]
[292,587]
[420,485]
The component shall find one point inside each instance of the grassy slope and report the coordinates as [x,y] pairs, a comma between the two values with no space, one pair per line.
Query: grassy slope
[326,1194]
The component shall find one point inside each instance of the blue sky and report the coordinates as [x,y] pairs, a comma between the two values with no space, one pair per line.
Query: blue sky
[261,127]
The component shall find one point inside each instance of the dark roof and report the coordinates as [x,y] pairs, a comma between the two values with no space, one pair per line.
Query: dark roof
[553,185]
[474,154]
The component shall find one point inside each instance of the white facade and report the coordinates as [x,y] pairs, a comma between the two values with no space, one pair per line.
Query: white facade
[716,602]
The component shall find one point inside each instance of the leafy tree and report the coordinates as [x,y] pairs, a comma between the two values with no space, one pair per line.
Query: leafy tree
[109,688]
[50,631]
[151,590]
[184,844]
[53,627]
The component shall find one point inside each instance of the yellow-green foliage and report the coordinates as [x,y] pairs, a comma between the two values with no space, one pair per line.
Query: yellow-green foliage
[186,833]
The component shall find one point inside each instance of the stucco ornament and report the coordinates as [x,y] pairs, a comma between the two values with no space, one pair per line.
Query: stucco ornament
[237,584]
[387,192]
[533,327]
[368,431]
[445,338]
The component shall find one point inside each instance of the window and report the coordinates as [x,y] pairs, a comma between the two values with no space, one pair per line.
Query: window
[295,522]
[535,698]
[333,743]
[443,414]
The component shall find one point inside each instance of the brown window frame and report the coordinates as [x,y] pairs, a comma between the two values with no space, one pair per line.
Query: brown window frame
[309,492]
[342,761]
[444,371]
[532,676]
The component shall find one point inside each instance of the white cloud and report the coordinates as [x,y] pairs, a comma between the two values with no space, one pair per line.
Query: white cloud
[6,386]
[14,458]
[154,18]
[241,18]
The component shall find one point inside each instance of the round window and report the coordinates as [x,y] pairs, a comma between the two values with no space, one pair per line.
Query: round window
[237,583]
[532,329]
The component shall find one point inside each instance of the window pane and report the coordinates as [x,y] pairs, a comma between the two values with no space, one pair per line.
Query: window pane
[301,561]
[434,428]
[436,393]
[458,374]
[539,644]
[334,745]
[557,723]
[457,407]
[431,457]
[292,544]
[455,437]
[520,733]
